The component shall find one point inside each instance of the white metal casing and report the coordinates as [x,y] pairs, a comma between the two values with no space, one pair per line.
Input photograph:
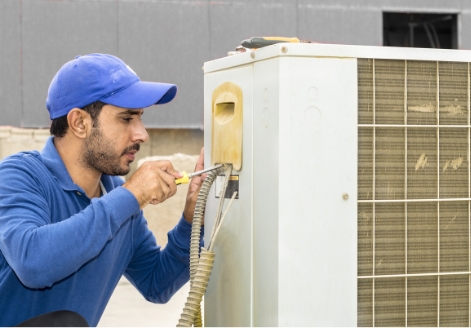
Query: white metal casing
[291,235]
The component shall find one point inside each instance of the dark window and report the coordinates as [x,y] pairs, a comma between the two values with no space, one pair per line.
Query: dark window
[420,30]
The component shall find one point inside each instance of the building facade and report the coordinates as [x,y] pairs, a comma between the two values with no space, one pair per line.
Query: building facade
[169,40]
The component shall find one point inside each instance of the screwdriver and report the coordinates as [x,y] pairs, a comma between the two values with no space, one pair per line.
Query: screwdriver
[187,177]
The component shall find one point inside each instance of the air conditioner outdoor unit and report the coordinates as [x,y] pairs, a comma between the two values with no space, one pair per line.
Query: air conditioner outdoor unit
[354,186]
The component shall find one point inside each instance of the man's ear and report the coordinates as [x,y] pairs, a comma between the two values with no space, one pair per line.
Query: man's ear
[80,122]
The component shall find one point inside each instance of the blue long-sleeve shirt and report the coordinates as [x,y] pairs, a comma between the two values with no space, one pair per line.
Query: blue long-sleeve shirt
[59,250]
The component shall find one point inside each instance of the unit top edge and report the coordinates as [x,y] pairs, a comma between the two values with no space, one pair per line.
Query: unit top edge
[317,50]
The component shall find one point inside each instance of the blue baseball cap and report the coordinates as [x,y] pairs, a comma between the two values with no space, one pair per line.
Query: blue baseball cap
[106,78]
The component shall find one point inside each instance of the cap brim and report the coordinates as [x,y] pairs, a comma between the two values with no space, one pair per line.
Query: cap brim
[142,94]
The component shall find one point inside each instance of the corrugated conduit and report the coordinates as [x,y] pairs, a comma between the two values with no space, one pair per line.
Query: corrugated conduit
[202,264]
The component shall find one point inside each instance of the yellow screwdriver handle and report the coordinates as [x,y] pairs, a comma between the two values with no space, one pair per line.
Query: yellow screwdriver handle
[184,179]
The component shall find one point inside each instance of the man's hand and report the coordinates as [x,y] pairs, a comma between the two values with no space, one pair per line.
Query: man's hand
[193,189]
[153,182]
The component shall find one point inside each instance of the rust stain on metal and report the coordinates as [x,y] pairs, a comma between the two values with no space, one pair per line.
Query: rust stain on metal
[425,108]
[455,164]
[453,110]
[421,162]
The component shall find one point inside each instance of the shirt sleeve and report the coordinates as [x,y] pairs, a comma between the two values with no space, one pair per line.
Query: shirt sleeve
[157,273]
[42,252]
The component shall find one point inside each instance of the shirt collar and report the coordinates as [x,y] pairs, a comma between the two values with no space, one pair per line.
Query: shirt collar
[54,163]
[56,166]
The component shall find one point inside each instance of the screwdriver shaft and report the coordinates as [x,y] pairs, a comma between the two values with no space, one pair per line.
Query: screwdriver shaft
[194,174]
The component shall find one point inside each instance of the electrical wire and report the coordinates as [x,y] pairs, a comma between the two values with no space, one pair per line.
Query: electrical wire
[213,238]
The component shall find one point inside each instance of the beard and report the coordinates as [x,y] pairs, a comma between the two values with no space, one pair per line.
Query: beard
[99,154]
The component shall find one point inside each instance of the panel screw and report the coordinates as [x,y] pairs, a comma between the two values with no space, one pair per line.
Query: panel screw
[284,49]
[252,54]
[345,196]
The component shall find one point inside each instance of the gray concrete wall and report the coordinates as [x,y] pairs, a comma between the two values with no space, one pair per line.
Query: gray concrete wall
[169,40]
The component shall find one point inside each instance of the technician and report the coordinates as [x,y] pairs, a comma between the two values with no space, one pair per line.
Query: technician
[70,227]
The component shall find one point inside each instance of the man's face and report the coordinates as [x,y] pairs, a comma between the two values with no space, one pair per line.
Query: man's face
[114,141]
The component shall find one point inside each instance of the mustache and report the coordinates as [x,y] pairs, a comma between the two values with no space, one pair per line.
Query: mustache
[135,147]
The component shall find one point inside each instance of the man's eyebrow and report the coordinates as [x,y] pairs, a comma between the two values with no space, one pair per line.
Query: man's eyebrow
[132,112]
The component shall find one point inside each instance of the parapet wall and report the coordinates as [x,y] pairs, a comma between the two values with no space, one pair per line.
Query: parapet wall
[13,140]
[162,142]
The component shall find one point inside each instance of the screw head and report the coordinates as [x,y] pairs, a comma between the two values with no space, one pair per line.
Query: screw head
[284,49]
[252,54]
[345,196]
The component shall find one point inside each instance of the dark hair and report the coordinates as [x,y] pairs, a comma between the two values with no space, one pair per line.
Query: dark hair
[60,125]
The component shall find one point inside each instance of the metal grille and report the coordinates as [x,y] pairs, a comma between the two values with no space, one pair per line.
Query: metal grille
[413,193]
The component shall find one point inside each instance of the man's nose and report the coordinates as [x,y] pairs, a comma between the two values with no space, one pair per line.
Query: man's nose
[140,133]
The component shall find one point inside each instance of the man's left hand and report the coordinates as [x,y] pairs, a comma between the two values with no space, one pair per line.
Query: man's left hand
[193,189]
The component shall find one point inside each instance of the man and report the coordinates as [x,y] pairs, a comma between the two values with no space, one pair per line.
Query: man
[69,226]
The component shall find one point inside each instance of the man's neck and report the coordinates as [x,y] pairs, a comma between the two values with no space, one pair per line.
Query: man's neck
[88,179]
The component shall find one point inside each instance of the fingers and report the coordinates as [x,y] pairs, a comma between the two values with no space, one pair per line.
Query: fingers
[167,184]
[193,189]
[196,181]
[153,182]
[161,194]
[200,163]
[164,166]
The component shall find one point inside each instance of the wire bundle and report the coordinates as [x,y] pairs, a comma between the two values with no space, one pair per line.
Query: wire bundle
[202,264]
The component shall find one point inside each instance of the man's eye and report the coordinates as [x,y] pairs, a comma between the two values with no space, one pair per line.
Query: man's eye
[127,119]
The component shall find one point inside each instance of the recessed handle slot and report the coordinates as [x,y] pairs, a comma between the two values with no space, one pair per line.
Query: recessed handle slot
[224,112]
[227,117]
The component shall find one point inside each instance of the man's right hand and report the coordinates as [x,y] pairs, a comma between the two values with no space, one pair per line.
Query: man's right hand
[153,182]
